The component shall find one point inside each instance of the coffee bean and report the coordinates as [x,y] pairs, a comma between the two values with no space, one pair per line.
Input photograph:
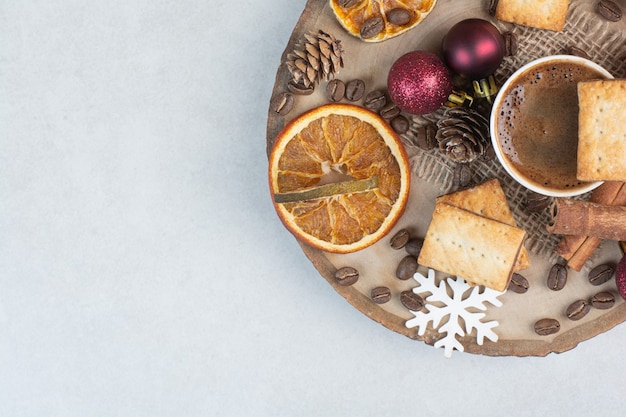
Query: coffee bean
[510,43]
[536,202]
[389,111]
[381,295]
[300,89]
[372,27]
[557,278]
[355,90]
[547,326]
[375,100]
[400,124]
[347,3]
[399,16]
[518,284]
[282,103]
[346,276]
[414,247]
[412,301]
[462,176]
[335,90]
[407,267]
[578,309]
[609,10]
[426,137]
[400,239]
[601,274]
[576,51]
[603,300]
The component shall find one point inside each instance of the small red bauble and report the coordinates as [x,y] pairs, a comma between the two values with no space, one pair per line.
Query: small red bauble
[419,82]
[620,277]
[473,48]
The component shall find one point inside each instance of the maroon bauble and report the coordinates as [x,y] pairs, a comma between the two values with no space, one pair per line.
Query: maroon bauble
[473,48]
[419,82]
[620,277]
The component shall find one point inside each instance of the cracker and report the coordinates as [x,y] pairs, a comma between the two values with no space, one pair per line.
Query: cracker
[487,199]
[602,130]
[541,14]
[480,250]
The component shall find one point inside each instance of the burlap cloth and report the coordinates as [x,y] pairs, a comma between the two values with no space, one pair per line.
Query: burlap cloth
[583,29]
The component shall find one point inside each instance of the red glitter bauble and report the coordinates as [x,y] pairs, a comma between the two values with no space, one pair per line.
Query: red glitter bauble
[620,277]
[473,48]
[419,82]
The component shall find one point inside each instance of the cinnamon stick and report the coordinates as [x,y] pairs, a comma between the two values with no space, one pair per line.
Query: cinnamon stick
[584,252]
[607,193]
[583,218]
[589,244]
[620,198]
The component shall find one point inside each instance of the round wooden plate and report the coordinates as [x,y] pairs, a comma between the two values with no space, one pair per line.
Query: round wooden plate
[431,177]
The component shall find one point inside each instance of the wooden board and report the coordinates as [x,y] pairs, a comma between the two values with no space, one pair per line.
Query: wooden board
[371,62]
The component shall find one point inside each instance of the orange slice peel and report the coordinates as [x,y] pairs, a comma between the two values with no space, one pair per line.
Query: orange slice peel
[339,177]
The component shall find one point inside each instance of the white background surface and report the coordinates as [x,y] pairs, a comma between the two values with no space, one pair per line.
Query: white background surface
[143,271]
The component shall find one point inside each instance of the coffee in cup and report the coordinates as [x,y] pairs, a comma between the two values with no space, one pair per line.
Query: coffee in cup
[534,123]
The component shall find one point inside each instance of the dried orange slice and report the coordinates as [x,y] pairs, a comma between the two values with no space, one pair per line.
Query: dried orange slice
[377,20]
[339,177]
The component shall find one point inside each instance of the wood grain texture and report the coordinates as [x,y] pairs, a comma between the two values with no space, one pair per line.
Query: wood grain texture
[432,177]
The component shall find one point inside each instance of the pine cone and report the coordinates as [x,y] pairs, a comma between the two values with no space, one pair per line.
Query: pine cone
[463,134]
[319,57]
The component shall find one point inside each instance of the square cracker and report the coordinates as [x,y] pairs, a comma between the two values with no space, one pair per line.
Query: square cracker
[487,199]
[541,14]
[602,130]
[480,250]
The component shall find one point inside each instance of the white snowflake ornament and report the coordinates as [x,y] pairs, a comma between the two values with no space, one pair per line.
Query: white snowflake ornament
[456,307]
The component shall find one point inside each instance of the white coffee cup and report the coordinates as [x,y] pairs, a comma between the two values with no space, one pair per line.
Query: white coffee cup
[534,124]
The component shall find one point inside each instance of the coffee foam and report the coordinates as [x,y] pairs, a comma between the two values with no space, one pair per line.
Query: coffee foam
[538,123]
